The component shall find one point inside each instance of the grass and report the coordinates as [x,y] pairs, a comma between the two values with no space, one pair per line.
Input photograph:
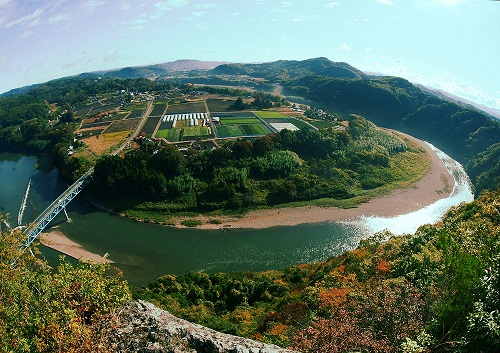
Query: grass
[105,143]
[299,123]
[321,124]
[173,135]
[191,222]
[270,115]
[194,131]
[239,120]
[228,131]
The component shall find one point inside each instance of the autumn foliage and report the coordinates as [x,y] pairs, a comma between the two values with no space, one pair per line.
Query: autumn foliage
[437,290]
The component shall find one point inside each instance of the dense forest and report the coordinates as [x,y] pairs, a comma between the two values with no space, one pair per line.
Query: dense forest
[470,136]
[290,166]
[437,290]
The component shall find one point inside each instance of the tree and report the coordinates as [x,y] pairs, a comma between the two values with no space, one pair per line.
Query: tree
[64,310]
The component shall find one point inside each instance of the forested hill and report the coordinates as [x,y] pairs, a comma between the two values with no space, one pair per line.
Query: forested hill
[283,70]
[469,135]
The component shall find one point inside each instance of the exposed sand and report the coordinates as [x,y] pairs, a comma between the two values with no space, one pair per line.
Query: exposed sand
[425,192]
[56,240]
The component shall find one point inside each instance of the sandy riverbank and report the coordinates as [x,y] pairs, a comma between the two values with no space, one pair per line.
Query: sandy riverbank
[56,240]
[437,184]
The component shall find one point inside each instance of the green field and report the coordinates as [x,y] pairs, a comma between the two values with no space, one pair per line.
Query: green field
[240,130]
[195,131]
[321,124]
[270,115]
[299,123]
[172,135]
[248,120]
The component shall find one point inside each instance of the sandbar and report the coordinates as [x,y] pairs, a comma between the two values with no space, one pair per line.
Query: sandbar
[56,240]
[435,185]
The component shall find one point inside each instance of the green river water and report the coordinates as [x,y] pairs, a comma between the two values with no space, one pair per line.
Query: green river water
[146,251]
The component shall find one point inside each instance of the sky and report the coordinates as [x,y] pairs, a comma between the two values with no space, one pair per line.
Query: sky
[452,45]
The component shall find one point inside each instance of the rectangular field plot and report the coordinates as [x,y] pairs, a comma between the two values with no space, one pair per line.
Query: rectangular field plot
[249,120]
[150,126]
[321,124]
[270,115]
[95,125]
[158,109]
[195,131]
[240,130]
[299,123]
[219,105]
[183,108]
[136,113]
[122,125]
[172,135]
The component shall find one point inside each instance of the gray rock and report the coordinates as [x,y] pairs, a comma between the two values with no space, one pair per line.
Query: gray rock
[142,327]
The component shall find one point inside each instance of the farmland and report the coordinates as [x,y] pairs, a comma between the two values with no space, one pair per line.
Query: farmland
[183,108]
[219,105]
[240,124]
[122,125]
[150,125]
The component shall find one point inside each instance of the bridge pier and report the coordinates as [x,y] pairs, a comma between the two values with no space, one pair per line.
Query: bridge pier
[66,214]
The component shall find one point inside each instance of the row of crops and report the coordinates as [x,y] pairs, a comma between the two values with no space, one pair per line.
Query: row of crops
[180,124]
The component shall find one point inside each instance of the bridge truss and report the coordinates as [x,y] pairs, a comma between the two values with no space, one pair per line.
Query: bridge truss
[35,228]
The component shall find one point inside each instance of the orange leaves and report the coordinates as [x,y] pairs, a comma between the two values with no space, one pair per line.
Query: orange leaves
[383,267]
[332,298]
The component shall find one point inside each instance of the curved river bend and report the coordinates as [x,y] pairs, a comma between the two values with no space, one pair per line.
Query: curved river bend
[146,251]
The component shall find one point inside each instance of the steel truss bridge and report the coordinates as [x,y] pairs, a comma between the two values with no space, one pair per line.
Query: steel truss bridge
[35,228]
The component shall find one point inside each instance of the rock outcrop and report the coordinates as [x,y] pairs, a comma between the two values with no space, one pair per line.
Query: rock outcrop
[142,327]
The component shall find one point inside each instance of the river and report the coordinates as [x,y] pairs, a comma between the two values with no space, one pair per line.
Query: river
[146,251]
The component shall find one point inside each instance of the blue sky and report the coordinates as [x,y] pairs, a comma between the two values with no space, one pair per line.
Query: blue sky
[449,44]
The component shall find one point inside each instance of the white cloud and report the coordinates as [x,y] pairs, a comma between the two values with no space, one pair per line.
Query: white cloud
[368,49]
[446,82]
[28,20]
[168,5]
[5,3]
[449,2]
[57,18]
[331,5]
[344,47]
[93,3]
[385,2]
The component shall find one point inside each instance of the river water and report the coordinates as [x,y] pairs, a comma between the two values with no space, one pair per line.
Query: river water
[146,251]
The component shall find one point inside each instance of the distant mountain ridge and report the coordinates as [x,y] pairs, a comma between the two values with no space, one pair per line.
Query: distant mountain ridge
[291,69]
[157,70]
[469,135]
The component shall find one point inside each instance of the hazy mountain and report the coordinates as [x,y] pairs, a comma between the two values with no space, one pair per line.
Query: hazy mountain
[291,69]
[156,70]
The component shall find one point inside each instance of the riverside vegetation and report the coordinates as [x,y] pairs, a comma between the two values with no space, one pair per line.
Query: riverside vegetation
[326,167]
[436,290]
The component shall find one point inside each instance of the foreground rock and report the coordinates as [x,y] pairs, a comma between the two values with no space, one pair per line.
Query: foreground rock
[142,327]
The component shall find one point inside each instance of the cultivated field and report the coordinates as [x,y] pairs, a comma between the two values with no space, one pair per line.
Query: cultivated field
[183,108]
[150,125]
[219,105]
[122,125]
[105,143]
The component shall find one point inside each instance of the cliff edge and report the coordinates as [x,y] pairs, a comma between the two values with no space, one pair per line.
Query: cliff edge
[142,327]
